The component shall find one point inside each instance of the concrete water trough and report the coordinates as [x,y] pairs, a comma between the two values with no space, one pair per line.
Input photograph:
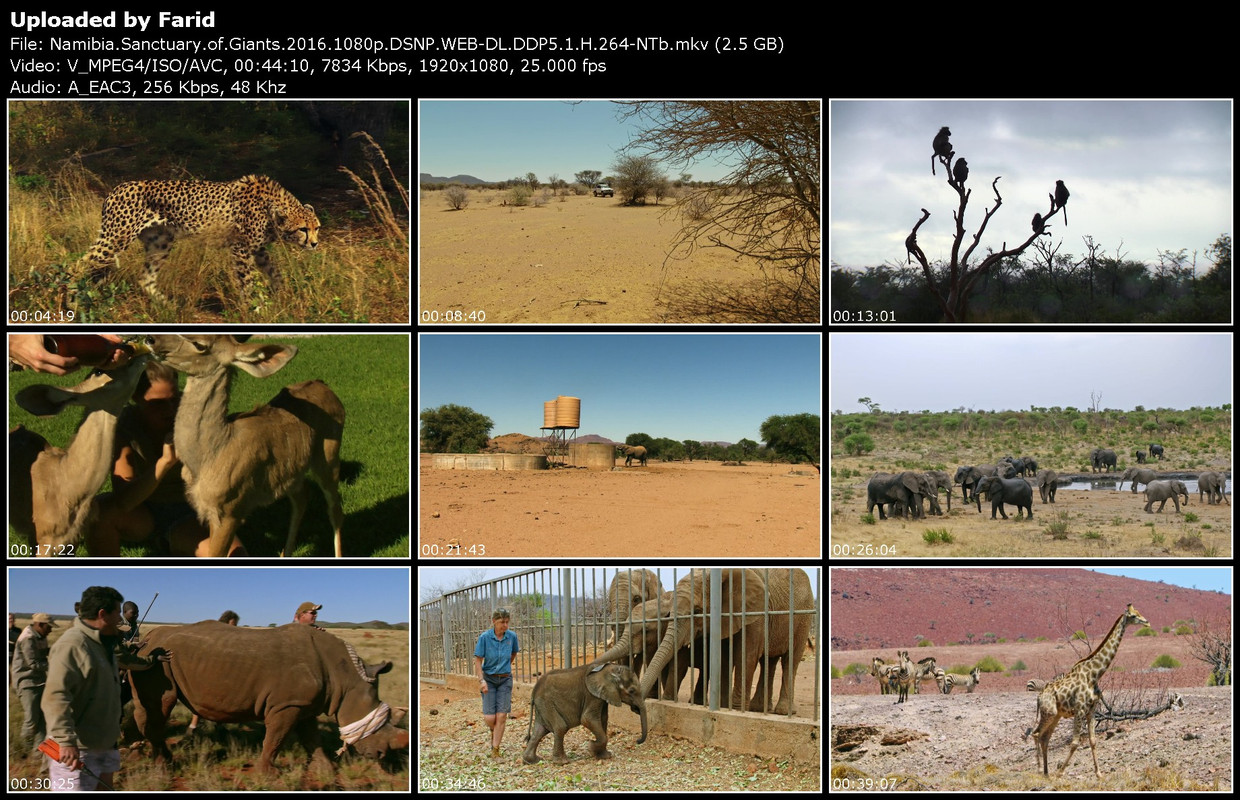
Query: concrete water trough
[496,461]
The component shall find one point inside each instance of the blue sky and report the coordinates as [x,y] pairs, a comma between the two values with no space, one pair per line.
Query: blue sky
[261,596]
[1210,579]
[451,578]
[500,139]
[708,387]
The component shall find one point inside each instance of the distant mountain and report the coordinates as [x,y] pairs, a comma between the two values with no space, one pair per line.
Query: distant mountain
[426,177]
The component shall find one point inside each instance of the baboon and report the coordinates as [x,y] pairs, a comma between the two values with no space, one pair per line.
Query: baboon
[942,147]
[1038,225]
[1061,199]
[961,171]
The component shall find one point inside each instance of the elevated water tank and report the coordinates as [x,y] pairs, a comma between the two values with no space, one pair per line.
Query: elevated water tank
[567,412]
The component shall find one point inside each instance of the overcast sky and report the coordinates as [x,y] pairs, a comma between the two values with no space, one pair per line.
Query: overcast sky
[1010,371]
[1144,176]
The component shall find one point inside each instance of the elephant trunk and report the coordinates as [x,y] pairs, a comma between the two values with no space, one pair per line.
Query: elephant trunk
[640,708]
[618,651]
[660,658]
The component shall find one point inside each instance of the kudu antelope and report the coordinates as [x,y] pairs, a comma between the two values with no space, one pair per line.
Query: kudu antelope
[234,464]
[52,490]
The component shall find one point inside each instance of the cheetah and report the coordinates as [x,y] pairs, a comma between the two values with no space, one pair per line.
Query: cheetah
[254,211]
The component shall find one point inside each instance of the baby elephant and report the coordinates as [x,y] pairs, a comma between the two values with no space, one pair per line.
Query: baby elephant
[566,698]
[1164,491]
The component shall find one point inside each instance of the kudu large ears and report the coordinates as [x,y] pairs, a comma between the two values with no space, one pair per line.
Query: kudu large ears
[98,390]
[263,360]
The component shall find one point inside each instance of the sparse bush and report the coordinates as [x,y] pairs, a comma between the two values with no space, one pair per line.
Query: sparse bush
[858,443]
[519,195]
[456,196]
[636,177]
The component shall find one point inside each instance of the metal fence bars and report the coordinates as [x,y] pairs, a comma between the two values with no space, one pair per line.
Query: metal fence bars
[564,617]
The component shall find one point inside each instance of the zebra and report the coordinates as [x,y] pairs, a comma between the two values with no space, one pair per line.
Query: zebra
[902,677]
[1037,684]
[925,669]
[880,669]
[967,681]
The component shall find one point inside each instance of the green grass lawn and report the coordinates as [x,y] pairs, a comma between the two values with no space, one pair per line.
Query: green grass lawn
[370,374]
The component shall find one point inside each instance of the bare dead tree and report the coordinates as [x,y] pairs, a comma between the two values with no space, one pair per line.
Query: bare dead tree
[1212,645]
[766,209]
[953,291]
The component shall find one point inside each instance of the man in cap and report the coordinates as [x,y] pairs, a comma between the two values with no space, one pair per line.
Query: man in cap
[28,673]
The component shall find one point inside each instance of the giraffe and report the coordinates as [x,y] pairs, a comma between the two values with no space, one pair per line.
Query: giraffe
[1076,694]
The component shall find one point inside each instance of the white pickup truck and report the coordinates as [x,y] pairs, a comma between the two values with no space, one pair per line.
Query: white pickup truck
[603,190]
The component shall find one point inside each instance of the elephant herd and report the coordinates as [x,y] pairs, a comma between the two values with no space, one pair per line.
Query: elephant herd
[662,631]
[904,493]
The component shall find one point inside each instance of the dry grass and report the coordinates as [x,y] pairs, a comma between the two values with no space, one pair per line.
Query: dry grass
[359,274]
[582,259]
[223,756]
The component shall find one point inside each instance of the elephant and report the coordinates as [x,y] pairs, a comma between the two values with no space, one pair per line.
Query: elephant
[742,590]
[1137,475]
[1140,456]
[1156,450]
[906,487]
[1048,482]
[566,698]
[631,588]
[631,453]
[1019,465]
[1212,484]
[1016,491]
[939,480]
[968,477]
[1105,459]
[1031,465]
[1164,491]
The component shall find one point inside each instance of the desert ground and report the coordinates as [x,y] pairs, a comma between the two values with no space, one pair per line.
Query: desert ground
[453,746]
[574,259]
[974,741]
[1102,523]
[663,510]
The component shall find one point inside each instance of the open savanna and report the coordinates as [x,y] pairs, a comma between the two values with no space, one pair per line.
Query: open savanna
[224,756]
[1098,523]
[572,259]
[664,510]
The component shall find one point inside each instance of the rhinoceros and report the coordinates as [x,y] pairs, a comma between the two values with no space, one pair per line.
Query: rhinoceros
[283,676]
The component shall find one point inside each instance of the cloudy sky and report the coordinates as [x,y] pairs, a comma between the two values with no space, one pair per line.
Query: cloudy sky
[1009,371]
[1145,176]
